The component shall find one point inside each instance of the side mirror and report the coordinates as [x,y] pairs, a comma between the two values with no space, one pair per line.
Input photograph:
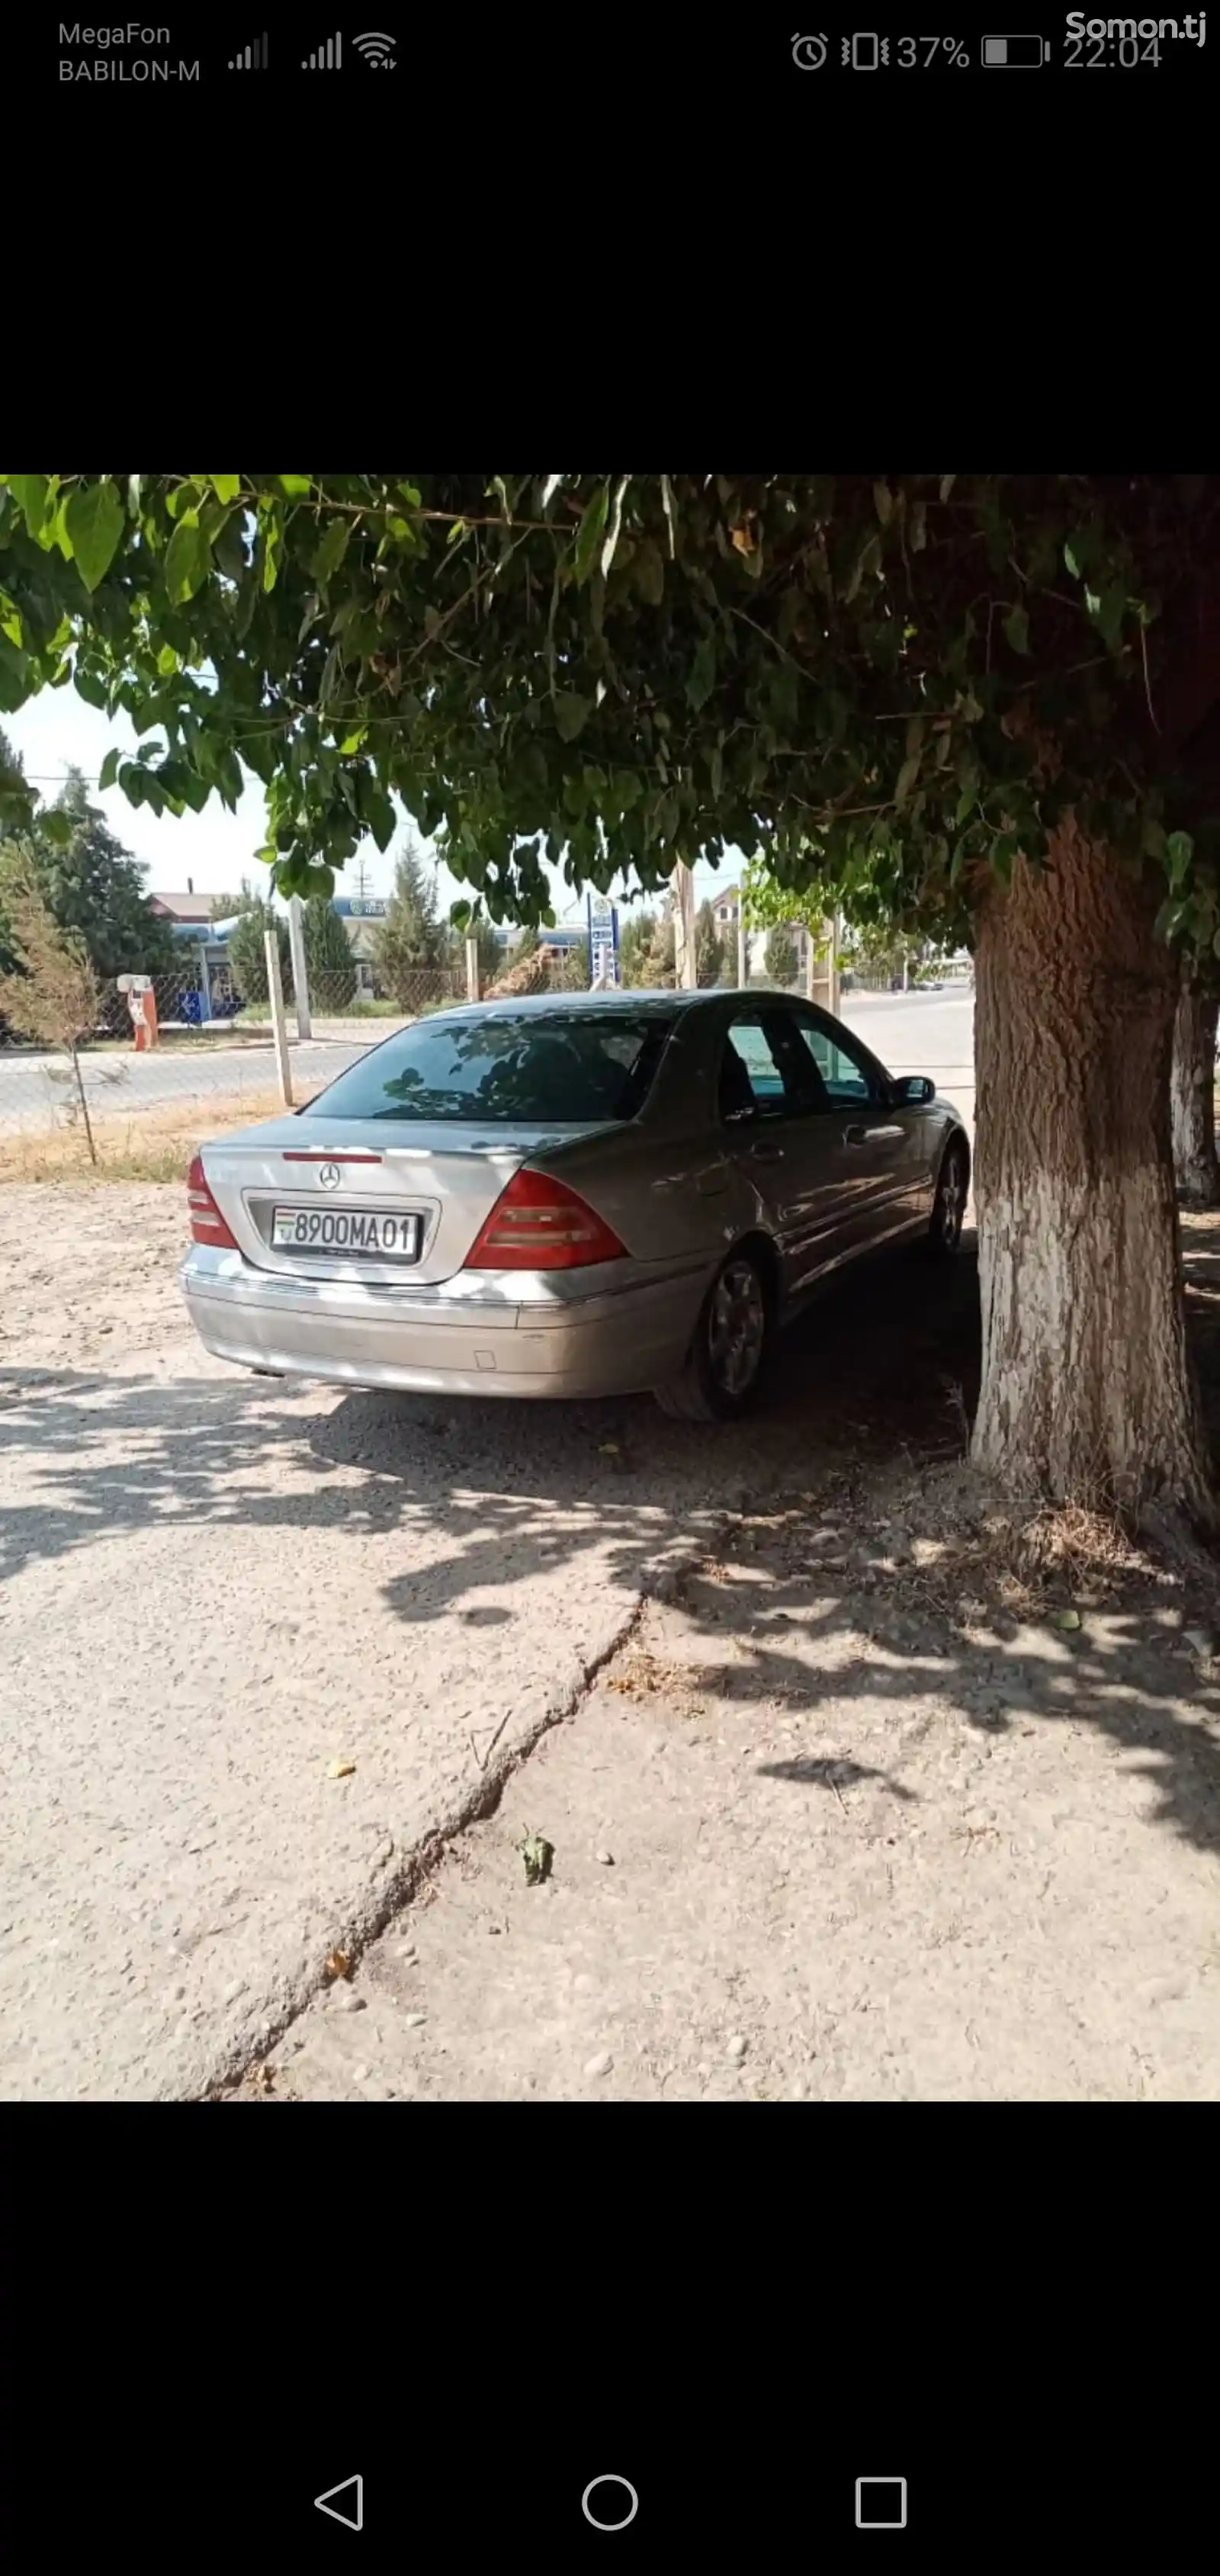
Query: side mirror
[914,1091]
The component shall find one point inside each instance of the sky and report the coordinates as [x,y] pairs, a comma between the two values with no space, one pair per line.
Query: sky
[215,850]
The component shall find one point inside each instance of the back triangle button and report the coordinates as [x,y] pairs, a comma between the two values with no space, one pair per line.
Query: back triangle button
[344,2503]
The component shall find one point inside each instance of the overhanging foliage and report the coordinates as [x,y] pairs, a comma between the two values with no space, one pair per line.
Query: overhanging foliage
[915,673]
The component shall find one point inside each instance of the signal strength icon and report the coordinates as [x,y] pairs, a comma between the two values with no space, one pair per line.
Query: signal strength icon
[250,58]
[378,51]
[328,58]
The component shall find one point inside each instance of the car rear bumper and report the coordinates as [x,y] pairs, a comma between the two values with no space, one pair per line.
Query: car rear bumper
[492,1341]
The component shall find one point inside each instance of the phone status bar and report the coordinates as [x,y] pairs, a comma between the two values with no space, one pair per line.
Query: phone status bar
[1079,43]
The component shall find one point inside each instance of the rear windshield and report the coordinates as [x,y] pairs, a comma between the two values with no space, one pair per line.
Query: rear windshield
[560,1070]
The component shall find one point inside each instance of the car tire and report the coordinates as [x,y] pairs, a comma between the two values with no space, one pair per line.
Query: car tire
[949,1205]
[729,1347]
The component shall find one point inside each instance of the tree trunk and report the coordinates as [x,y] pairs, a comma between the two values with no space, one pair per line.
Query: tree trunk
[1086,1388]
[1192,1094]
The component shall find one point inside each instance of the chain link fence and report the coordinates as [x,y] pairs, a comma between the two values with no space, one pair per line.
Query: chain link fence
[354,1000]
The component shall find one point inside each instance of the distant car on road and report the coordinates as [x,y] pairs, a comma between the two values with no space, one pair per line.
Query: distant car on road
[571,1195]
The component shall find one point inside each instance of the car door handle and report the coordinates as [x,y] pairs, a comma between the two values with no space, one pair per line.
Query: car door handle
[873,1135]
[766,1153]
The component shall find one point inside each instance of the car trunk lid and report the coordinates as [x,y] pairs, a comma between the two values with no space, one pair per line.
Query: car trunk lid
[334,1184]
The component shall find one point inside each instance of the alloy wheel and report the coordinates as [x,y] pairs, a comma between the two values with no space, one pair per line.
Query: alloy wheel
[737,1328]
[951,1202]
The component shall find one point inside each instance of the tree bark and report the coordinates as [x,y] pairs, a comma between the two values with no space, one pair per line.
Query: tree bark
[1192,1094]
[1087,1393]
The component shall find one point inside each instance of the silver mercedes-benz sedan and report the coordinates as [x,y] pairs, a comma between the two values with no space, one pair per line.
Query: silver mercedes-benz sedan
[576,1195]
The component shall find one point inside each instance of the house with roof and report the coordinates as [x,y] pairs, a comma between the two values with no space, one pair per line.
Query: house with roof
[183,909]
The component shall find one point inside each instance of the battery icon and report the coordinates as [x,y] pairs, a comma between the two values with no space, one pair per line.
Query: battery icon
[1014,53]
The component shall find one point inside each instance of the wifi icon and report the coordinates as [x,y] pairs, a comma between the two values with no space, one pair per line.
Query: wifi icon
[378,51]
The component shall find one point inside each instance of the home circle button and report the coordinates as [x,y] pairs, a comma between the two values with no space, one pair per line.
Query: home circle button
[609,2503]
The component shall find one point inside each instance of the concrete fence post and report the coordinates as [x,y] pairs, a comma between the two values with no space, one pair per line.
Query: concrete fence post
[472,967]
[743,956]
[685,975]
[300,976]
[275,995]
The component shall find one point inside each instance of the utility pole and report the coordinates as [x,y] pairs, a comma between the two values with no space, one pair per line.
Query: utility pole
[743,957]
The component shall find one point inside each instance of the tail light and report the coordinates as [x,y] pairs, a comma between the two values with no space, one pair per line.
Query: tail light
[207,1223]
[538,1223]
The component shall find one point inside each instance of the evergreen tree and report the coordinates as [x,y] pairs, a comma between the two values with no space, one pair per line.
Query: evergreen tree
[659,965]
[709,948]
[92,885]
[329,962]
[247,959]
[491,954]
[411,936]
[779,956]
[635,940]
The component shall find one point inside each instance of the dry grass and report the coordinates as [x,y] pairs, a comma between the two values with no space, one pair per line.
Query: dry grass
[1026,1565]
[149,1145]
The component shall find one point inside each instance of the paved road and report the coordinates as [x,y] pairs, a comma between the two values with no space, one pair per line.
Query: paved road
[926,1032]
[33,1086]
[911,1032]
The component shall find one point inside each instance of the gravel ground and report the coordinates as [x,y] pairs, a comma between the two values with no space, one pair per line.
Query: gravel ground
[216,1590]
[815,1840]
[839,1813]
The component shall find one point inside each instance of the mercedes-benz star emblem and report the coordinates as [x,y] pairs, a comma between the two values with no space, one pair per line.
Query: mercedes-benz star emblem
[329,1176]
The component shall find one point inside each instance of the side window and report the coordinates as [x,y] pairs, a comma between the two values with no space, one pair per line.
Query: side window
[846,1077]
[751,1077]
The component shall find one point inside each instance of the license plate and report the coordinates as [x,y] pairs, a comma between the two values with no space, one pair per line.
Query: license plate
[382,1237]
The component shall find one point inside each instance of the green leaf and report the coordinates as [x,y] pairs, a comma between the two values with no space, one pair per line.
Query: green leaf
[1109,613]
[226,486]
[1016,628]
[295,485]
[648,571]
[947,482]
[167,661]
[701,678]
[884,500]
[867,561]
[589,533]
[109,768]
[1179,851]
[670,516]
[907,776]
[958,860]
[188,561]
[616,521]
[919,527]
[571,714]
[272,534]
[30,493]
[56,826]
